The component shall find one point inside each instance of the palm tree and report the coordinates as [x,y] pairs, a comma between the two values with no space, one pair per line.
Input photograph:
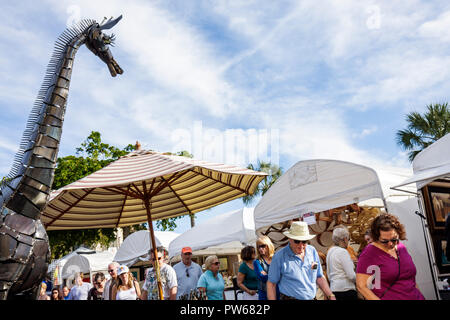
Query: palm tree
[273,171]
[424,129]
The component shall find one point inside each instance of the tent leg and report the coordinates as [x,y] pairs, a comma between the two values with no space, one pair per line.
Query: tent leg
[153,245]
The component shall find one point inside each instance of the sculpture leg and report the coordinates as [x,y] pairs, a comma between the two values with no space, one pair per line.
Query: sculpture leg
[4,289]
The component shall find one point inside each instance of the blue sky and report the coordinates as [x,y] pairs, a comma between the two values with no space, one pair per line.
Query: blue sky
[326,79]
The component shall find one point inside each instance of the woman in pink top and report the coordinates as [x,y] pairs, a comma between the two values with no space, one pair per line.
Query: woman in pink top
[388,263]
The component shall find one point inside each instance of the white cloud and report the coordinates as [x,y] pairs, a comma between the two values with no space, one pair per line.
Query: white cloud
[303,68]
[437,29]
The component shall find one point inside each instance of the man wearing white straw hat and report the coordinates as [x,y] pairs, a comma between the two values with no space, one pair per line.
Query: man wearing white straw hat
[296,268]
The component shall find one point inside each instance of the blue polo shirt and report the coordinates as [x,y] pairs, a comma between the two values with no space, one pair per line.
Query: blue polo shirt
[214,285]
[296,278]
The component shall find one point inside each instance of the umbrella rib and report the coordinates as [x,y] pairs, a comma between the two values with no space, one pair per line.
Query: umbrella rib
[162,185]
[70,207]
[178,197]
[123,205]
[121,191]
[136,189]
[226,184]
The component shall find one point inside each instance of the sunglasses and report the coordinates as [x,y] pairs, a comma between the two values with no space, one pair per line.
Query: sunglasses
[300,241]
[216,263]
[187,273]
[111,271]
[395,240]
[262,246]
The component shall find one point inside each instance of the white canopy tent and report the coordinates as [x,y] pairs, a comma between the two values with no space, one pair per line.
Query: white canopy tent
[430,164]
[136,246]
[87,263]
[62,261]
[315,186]
[225,229]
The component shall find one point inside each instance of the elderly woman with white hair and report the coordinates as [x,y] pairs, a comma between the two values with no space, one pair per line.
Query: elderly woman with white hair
[340,267]
[211,282]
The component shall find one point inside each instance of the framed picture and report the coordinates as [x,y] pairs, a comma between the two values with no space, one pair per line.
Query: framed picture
[439,199]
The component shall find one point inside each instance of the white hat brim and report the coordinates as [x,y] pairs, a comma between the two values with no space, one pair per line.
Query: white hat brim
[301,238]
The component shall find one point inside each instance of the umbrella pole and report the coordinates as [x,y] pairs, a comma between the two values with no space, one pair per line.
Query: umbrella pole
[153,245]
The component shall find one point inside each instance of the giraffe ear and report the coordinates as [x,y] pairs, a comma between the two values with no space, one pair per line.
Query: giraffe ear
[110,23]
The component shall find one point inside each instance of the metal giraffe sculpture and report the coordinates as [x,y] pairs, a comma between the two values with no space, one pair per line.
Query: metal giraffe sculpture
[24,248]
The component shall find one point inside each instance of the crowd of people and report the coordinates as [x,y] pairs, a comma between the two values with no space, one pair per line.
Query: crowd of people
[383,269]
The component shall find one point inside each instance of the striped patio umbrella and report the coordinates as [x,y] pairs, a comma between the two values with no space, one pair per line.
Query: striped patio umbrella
[144,186]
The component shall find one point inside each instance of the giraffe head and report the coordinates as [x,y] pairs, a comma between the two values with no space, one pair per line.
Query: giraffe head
[99,43]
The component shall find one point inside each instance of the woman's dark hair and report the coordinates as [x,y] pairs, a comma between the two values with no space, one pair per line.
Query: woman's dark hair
[59,296]
[247,253]
[99,276]
[387,222]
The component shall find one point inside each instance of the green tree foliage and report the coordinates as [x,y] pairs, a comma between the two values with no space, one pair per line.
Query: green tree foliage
[91,156]
[423,130]
[273,173]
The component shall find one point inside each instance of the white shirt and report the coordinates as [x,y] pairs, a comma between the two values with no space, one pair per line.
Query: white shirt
[80,292]
[340,270]
[107,289]
[129,294]
[185,283]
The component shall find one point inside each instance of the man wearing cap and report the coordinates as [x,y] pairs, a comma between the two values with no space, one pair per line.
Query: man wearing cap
[188,273]
[296,268]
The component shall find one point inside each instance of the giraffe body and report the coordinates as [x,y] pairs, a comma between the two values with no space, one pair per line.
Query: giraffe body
[24,248]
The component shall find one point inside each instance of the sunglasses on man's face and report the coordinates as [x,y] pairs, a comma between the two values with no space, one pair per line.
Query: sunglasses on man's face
[394,241]
[216,263]
[300,241]
[111,271]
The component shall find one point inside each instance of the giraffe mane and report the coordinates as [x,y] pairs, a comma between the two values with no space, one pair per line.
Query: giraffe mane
[38,110]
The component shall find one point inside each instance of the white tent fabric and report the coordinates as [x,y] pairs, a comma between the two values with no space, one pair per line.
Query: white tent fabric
[404,208]
[87,263]
[231,226]
[315,186]
[431,163]
[62,261]
[136,246]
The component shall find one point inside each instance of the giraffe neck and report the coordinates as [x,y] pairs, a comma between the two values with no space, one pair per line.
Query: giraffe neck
[30,186]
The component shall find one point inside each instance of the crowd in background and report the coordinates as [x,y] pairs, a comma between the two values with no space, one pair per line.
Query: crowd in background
[383,269]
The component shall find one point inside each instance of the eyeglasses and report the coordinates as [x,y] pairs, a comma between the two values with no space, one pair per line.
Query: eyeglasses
[187,273]
[394,241]
[111,271]
[262,246]
[300,241]
[216,263]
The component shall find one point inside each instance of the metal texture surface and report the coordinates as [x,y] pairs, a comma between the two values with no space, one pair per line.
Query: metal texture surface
[24,193]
